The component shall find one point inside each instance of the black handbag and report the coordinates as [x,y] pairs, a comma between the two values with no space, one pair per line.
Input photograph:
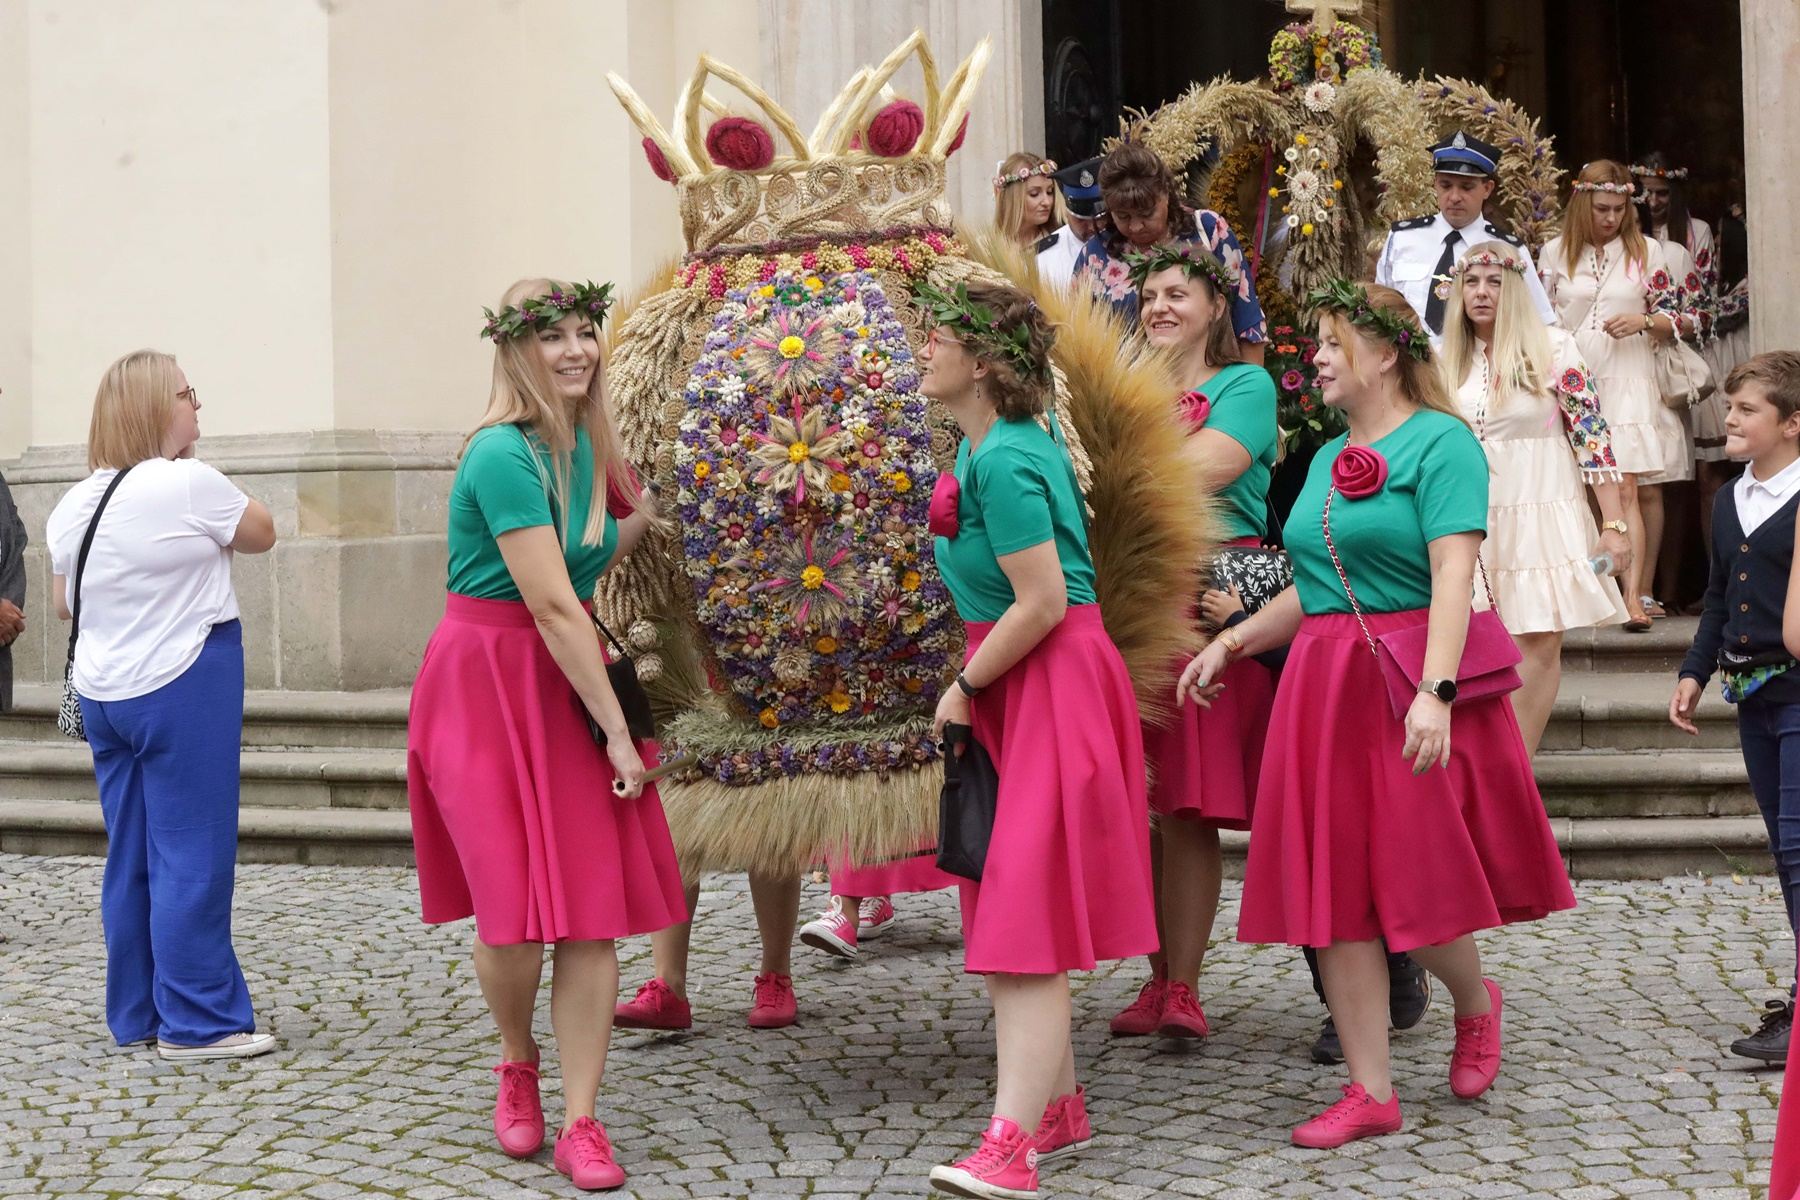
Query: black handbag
[634,701]
[967,804]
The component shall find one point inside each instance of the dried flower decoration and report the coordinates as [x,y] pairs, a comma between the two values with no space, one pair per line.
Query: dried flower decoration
[541,312]
[1351,301]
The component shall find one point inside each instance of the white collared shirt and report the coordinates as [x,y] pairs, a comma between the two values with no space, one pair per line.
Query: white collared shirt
[1758,500]
[1410,257]
[1056,263]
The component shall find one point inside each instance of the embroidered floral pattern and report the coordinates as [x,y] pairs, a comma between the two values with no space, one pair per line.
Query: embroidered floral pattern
[1589,436]
[830,476]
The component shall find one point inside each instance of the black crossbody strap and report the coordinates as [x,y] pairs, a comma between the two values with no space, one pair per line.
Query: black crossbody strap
[87,544]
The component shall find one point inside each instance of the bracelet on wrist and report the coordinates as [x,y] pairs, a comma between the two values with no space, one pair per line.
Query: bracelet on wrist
[968,689]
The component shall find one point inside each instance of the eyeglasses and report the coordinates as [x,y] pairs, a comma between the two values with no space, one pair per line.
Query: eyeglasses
[937,338]
[191,395]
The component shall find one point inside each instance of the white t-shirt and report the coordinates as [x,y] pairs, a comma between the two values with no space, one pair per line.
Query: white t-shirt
[158,577]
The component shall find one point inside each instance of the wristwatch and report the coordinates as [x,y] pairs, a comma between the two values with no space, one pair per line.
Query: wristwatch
[968,689]
[1443,689]
[1616,526]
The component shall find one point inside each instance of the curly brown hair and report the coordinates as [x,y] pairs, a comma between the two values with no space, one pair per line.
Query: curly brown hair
[1016,393]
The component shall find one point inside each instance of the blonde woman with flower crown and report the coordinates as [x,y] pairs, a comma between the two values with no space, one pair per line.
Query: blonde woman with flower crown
[1611,289]
[1527,392]
[519,818]
[1027,205]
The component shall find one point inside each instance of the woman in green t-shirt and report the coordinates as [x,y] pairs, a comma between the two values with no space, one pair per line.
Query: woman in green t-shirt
[1419,828]
[516,820]
[1206,764]
[1066,881]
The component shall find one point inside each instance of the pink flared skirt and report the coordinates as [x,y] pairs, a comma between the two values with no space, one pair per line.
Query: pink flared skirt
[513,813]
[1067,878]
[916,874]
[1349,845]
[1206,761]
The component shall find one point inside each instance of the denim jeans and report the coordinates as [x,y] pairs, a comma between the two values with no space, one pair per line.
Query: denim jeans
[1769,732]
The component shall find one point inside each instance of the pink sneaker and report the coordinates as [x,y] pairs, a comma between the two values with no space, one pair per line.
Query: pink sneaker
[518,1113]
[1181,1015]
[1476,1060]
[773,1005]
[1065,1129]
[834,932]
[1142,1016]
[586,1157]
[656,1006]
[1005,1168]
[875,916]
[1355,1116]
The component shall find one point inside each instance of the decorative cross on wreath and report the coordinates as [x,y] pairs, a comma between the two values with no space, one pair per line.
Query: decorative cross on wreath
[1324,13]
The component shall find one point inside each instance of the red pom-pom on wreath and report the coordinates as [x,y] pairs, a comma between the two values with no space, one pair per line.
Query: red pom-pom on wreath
[659,164]
[962,131]
[740,144]
[896,129]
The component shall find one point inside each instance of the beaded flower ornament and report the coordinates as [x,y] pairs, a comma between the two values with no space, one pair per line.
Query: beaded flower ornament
[1192,258]
[1004,179]
[980,326]
[541,312]
[1351,300]
[1643,172]
[1488,258]
[1616,189]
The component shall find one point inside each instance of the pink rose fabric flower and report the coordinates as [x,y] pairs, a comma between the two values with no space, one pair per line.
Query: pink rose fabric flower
[1359,472]
[945,494]
[1193,409]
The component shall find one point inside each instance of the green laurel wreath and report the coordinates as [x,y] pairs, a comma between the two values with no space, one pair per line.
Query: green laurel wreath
[979,324]
[1192,258]
[582,299]
[1352,300]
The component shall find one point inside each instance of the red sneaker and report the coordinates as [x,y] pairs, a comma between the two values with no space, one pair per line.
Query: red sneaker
[1355,1116]
[1065,1129]
[586,1157]
[834,932]
[875,916]
[1476,1060]
[518,1113]
[1181,1015]
[1005,1168]
[656,1006]
[1141,1017]
[773,1005]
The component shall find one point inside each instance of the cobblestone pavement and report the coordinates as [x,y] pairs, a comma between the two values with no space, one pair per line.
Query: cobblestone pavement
[1615,1082]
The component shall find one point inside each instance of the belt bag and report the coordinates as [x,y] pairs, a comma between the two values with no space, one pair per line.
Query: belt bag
[1490,659]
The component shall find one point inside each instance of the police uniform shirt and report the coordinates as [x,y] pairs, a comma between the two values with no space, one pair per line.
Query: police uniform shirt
[1414,247]
[1056,255]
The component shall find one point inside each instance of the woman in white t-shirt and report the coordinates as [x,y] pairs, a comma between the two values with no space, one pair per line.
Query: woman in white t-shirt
[159,667]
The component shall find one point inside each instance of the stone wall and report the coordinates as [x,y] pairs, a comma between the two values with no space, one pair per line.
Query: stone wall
[349,595]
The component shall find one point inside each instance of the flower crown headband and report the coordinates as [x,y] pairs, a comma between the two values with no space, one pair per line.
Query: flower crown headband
[1487,258]
[1002,179]
[1351,300]
[980,324]
[1659,172]
[1192,258]
[1617,189]
[539,312]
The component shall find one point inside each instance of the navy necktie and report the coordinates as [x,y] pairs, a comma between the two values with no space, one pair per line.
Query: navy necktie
[1440,283]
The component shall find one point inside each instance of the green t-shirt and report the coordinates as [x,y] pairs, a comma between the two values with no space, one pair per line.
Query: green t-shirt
[1243,409]
[1017,491]
[1437,485]
[498,488]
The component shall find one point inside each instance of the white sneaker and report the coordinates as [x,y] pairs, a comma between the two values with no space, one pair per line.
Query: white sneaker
[237,1045]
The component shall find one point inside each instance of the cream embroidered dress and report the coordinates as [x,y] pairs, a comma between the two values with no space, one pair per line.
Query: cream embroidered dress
[1543,450]
[1647,438]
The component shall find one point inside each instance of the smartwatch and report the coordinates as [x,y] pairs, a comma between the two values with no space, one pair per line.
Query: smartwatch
[1443,689]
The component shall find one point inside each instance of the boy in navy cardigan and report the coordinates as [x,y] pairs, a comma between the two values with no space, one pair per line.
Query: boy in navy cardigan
[1740,631]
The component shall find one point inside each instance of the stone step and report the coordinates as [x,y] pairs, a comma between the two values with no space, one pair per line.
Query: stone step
[318,778]
[1609,710]
[273,719]
[1593,848]
[1647,784]
[1659,651]
[336,836]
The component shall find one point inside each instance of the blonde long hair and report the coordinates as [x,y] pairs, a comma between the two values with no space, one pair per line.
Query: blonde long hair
[1522,352]
[1578,217]
[524,394]
[1009,201]
[1420,380]
[132,410]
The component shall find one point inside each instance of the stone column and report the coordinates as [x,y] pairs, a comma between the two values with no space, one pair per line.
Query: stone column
[1771,35]
[810,50]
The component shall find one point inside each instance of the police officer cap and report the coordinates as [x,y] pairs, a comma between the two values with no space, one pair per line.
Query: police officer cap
[1080,184]
[1460,154]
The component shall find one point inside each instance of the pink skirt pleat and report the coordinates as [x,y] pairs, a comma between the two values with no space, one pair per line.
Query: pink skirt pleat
[1349,845]
[1067,878]
[916,874]
[1207,760]
[514,818]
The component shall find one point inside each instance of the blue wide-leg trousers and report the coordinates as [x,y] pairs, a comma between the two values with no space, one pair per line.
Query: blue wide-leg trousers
[167,766]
